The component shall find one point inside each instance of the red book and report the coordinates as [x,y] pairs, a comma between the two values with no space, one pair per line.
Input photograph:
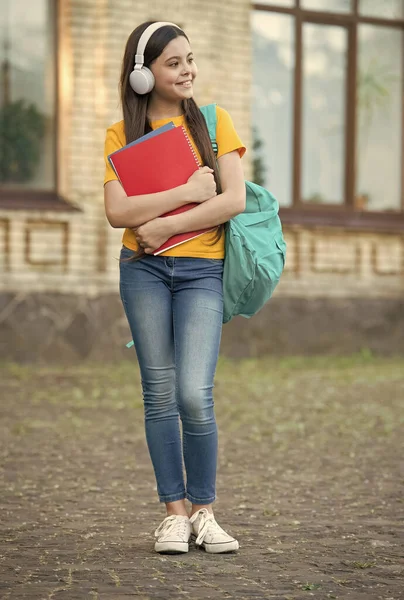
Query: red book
[156,164]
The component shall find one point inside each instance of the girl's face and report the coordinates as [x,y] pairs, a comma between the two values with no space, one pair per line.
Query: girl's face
[174,71]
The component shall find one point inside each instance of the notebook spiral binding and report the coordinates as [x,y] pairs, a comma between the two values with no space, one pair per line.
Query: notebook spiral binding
[191,146]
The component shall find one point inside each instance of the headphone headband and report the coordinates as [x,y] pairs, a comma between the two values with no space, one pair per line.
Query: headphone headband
[145,37]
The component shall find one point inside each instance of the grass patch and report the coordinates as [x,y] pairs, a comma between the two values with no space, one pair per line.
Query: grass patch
[363,565]
[311,586]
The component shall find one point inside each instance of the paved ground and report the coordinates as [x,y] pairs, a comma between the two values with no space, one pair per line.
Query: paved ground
[310,480]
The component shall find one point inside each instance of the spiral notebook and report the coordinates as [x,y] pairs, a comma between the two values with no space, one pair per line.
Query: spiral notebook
[157,162]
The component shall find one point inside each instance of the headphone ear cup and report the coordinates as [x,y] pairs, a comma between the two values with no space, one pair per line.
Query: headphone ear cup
[141,80]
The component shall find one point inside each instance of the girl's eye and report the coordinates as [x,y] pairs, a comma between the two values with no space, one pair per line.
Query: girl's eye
[175,64]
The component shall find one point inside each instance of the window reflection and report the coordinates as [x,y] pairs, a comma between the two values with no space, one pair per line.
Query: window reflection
[327,5]
[324,72]
[379,97]
[27,100]
[385,9]
[287,3]
[273,71]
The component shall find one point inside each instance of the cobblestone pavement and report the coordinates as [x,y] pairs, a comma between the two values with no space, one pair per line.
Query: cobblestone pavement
[310,480]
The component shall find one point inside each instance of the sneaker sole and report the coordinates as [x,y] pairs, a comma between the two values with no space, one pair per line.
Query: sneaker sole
[171,547]
[219,548]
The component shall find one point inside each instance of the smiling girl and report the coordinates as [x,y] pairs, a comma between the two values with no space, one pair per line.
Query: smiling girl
[174,301]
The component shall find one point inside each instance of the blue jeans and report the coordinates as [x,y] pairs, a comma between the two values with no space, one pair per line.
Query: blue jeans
[174,307]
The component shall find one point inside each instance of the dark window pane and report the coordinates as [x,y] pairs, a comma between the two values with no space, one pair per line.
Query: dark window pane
[273,72]
[379,156]
[27,100]
[324,75]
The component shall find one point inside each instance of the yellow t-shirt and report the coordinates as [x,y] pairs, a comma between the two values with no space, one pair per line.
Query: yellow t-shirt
[227,141]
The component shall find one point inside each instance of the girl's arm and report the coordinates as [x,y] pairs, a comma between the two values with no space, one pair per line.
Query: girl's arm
[213,212]
[132,211]
[221,208]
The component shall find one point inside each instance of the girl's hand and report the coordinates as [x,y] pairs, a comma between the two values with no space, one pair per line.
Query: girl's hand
[154,233]
[201,185]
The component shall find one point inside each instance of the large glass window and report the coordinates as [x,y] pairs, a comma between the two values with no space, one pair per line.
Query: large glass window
[328,103]
[27,94]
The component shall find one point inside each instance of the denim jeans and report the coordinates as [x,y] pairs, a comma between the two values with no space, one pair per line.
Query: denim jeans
[174,307]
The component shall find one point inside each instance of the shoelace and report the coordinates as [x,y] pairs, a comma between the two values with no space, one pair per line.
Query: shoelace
[171,524]
[207,522]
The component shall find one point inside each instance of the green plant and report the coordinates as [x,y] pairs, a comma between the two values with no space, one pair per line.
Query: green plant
[316,198]
[363,565]
[22,128]
[311,586]
[373,94]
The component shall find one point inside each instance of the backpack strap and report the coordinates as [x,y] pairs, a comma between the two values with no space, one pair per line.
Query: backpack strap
[209,112]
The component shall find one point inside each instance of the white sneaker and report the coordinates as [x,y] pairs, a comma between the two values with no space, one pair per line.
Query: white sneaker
[209,535]
[173,535]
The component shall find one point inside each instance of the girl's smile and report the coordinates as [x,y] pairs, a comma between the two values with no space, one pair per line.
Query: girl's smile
[186,84]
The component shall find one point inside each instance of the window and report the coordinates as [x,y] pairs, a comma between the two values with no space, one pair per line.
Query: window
[328,123]
[27,96]
[379,113]
[273,76]
[323,113]
[327,5]
[387,9]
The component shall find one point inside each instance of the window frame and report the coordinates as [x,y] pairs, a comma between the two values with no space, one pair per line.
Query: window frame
[29,199]
[345,215]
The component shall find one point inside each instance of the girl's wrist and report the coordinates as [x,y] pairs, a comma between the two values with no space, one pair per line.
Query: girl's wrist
[171,223]
[184,193]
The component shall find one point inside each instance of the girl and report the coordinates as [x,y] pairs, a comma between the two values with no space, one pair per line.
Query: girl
[174,301]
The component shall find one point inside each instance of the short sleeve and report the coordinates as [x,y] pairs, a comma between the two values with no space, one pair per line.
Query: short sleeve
[114,141]
[226,136]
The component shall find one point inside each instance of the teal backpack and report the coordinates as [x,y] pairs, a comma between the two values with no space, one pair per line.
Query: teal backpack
[255,250]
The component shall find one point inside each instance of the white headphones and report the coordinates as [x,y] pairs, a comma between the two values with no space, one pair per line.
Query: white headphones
[142,79]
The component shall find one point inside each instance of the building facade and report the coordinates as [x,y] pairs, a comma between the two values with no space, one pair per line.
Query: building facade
[315,89]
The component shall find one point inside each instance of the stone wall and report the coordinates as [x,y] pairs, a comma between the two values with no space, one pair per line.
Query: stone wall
[70,328]
[330,262]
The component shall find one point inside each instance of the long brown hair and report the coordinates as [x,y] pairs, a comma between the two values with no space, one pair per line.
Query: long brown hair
[134,106]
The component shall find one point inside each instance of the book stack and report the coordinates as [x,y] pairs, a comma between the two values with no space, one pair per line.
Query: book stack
[158,161]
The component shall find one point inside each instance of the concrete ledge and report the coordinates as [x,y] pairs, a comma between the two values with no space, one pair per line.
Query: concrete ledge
[288,326]
[60,327]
